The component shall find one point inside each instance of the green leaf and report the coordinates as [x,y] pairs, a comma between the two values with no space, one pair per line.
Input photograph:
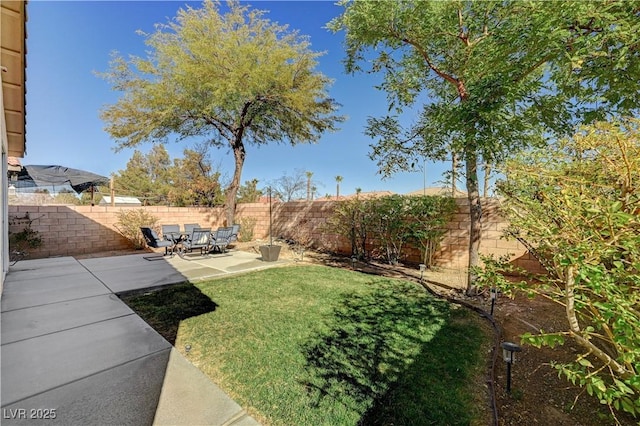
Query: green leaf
[599,384]
[589,389]
[585,362]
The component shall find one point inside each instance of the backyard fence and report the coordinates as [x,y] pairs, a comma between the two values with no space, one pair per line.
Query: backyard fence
[77,230]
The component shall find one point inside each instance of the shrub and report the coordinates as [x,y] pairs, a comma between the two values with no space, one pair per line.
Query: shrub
[388,223]
[351,219]
[27,238]
[129,224]
[578,205]
[247,227]
[427,217]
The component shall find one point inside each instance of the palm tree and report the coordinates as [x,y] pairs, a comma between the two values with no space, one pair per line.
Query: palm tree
[338,180]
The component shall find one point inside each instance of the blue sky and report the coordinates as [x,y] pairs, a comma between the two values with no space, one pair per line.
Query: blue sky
[69,41]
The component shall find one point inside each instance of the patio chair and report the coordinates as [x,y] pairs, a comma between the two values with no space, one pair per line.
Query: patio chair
[198,238]
[234,233]
[189,227]
[221,239]
[153,240]
[172,233]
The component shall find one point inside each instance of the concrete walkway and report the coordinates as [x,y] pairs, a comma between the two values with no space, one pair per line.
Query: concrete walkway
[73,354]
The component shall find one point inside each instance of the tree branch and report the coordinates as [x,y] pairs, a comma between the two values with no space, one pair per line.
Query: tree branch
[462,91]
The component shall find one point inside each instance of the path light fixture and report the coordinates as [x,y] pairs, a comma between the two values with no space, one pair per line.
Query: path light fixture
[354,259]
[508,354]
[423,268]
[494,296]
[187,348]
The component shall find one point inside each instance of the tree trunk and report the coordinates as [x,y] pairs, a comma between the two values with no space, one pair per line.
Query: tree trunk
[239,154]
[475,214]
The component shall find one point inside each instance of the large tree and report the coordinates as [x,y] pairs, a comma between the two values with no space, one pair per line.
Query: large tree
[234,78]
[490,77]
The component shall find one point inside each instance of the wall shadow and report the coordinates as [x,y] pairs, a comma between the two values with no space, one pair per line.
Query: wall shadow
[166,308]
[387,355]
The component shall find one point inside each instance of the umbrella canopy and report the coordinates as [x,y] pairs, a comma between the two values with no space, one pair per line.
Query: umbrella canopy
[79,180]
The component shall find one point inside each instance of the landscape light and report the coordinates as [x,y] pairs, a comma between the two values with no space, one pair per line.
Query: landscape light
[187,348]
[423,268]
[354,259]
[494,295]
[508,349]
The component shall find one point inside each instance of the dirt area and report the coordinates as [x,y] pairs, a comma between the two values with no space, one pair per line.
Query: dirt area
[538,395]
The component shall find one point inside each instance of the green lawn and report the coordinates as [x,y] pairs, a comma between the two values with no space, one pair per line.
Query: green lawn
[312,345]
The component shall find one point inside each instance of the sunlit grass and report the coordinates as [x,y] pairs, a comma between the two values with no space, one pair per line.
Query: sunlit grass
[315,345]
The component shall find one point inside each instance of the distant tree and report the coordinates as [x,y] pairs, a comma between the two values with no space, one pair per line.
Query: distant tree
[147,176]
[234,78]
[309,186]
[249,192]
[159,169]
[66,196]
[195,182]
[338,180]
[100,191]
[135,179]
[499,76]
[289,188]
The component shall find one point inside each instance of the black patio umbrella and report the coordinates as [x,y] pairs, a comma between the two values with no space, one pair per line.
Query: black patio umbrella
[44,176]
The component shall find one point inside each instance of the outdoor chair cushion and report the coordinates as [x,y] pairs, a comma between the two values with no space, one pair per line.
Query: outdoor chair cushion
[198,238]
[222,238]
[153,240]
[171,232]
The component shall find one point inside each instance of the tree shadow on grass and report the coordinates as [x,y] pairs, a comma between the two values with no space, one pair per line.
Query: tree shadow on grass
[165,309]
[394,356]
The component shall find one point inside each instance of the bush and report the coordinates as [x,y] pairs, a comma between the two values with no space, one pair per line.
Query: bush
[129,224]
[27,238]
[247,227]
[350,219]
[578,205]
[389,223]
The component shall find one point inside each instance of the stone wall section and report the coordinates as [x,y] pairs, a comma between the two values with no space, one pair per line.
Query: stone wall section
[76,230]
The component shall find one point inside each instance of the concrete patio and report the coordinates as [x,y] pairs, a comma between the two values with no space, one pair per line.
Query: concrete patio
[73,354]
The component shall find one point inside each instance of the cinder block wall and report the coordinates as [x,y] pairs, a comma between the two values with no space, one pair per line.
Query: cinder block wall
[74,230]
[455,246]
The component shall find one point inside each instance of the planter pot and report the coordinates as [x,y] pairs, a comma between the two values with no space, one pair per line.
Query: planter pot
[270,253]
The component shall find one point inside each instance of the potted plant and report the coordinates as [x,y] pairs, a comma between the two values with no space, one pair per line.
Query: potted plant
[271,252]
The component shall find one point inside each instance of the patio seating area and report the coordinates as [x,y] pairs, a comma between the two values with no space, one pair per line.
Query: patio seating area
[193,237]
